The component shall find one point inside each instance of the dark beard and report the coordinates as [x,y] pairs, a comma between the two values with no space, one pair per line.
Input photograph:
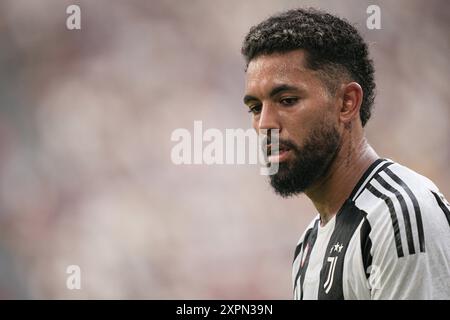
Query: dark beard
[308,164]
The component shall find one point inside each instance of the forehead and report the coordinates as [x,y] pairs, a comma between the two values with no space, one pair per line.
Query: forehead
[279,68]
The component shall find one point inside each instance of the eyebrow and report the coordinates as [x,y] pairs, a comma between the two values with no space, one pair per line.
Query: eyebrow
[278,89]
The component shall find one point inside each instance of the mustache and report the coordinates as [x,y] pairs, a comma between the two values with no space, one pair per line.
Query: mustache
[282,144]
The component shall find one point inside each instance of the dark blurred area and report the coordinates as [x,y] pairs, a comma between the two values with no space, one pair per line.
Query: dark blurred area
[86,118]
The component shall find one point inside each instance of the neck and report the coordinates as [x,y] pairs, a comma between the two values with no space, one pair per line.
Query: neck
[330,192]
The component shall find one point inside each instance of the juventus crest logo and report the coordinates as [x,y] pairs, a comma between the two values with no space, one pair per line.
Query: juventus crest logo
[332,260]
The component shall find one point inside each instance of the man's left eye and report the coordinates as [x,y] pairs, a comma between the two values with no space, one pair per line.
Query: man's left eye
[289,101]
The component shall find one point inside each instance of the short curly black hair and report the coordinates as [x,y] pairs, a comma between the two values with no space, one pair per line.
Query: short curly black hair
[333,46]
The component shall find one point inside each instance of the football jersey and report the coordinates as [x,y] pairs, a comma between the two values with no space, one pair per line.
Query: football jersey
[389,240]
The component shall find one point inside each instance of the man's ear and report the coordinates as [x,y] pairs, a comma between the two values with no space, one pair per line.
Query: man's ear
[351,102]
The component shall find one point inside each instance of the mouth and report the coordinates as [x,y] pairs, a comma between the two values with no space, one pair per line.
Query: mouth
[280,156]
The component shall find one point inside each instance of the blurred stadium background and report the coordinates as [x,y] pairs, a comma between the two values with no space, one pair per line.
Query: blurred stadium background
[85,124]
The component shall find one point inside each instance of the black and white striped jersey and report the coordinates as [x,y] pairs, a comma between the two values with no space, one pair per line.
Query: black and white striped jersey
[390,240]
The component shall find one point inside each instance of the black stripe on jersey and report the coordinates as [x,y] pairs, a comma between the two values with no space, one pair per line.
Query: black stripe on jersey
[364,177]
[401,200]
[442,205]
[390,205]
[308,241]
[413,198]
[366,244]
[366,174]
[298,249]
[348,220]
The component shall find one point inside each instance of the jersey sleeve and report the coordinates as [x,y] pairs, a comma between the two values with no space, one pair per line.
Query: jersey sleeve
[412,272]
[393,278]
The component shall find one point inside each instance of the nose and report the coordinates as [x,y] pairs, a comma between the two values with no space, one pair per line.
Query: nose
[269,118]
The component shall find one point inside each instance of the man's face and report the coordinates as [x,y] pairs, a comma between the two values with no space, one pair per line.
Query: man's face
[283,94]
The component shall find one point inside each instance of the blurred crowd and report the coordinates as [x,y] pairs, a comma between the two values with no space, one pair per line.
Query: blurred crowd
[85,123]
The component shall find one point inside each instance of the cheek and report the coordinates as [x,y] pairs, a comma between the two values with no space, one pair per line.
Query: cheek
[295,126]
[299,123]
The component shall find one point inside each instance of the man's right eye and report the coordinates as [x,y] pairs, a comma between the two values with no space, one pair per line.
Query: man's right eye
[255,109]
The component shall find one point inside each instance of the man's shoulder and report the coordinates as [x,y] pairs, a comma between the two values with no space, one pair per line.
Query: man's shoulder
[413,180]
[400,206]
[396,188]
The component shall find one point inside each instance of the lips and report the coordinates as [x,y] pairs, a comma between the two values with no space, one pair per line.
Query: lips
[279,156]
[280,149]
